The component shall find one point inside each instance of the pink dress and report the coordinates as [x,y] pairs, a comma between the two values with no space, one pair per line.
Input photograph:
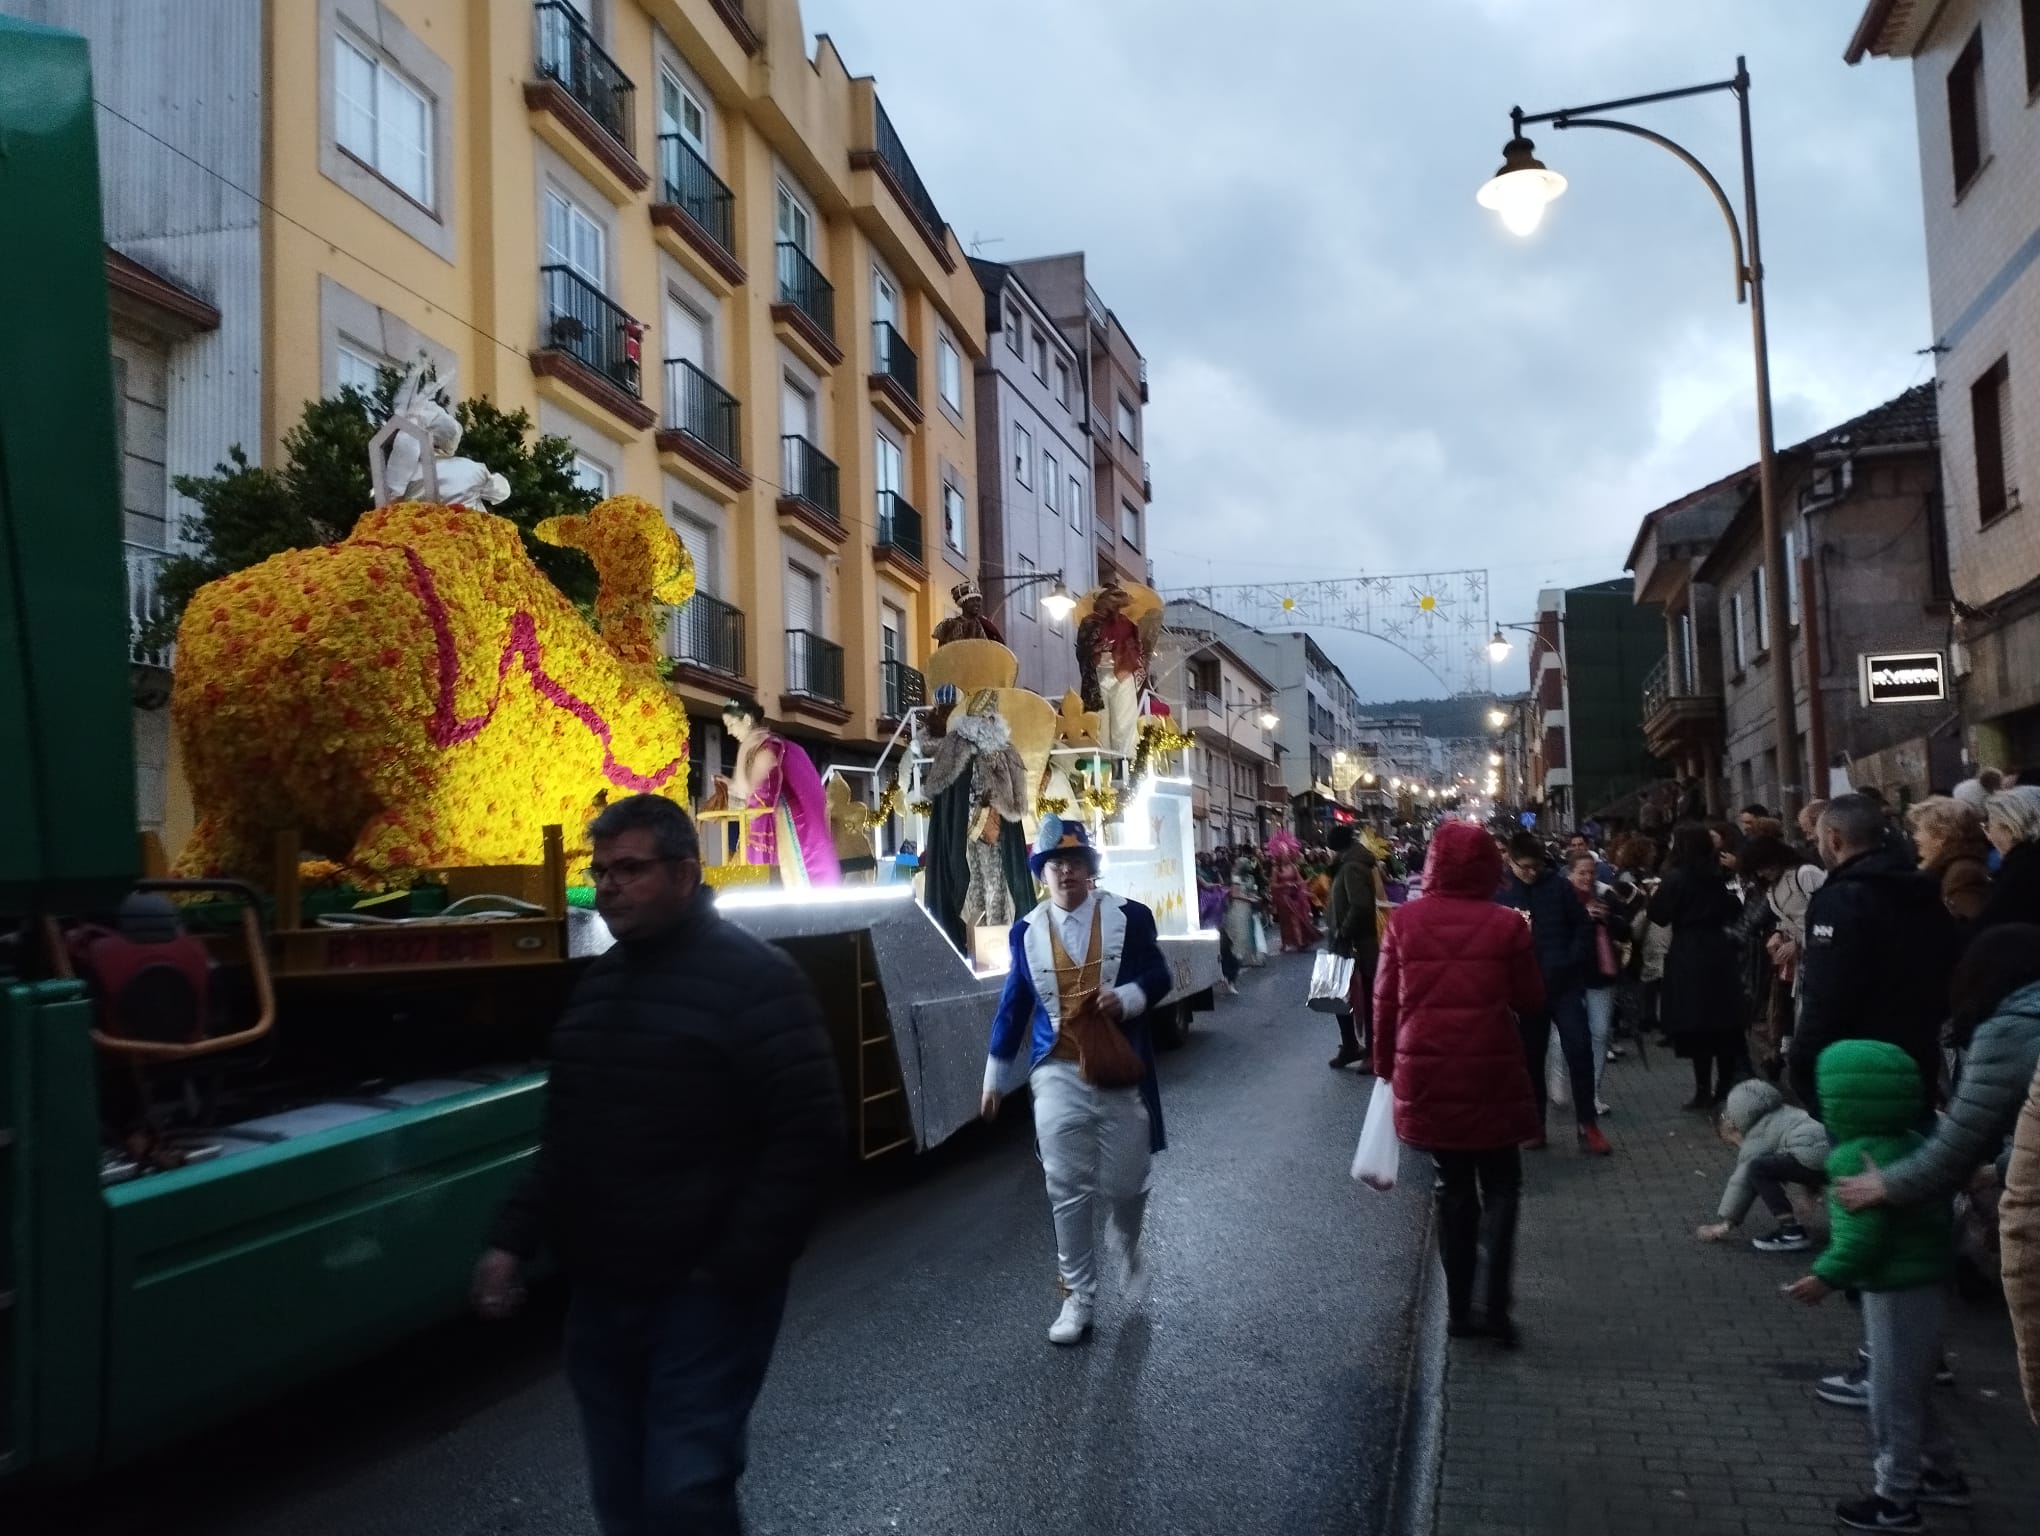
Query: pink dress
[796,836]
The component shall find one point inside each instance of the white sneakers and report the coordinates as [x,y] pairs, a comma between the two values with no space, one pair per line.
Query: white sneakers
[1073,1324]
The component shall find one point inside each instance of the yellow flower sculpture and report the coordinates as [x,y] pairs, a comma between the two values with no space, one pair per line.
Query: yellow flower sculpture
[419,696]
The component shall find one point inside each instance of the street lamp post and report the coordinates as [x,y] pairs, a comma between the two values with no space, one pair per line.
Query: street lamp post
[1057,601]
[1234,712]
[1520,192]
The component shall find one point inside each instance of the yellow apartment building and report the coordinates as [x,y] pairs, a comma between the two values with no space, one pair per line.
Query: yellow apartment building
[664,227]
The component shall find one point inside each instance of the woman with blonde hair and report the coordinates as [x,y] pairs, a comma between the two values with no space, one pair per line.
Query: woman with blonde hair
[2012,823]
[1949,835]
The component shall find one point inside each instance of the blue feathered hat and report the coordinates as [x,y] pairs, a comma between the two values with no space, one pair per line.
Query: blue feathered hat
[1057,837]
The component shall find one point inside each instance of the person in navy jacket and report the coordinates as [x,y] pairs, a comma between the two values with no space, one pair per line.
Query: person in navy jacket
[1094,1142]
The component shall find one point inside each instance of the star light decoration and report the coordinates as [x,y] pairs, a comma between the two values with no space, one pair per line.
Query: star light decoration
[1440,617]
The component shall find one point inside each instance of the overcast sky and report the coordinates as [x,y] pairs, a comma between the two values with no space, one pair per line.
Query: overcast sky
[1354,368]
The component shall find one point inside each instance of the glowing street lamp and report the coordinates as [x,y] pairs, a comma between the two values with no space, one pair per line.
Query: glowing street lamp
[1059,604]
[1494,759]
[1497,718]
[1522,189]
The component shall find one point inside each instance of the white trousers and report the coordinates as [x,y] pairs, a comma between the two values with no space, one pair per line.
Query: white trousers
[1094,1149]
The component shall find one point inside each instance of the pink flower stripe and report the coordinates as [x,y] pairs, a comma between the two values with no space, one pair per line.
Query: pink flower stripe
[449,730]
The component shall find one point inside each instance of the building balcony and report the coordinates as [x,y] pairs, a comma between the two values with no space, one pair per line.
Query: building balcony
[900,688]
[889,159]
[808,505]
[703,432]
[899,536]
[895,376]
[695,216]
[590,345]
[146,646]
[814,678]
[705,640]
[583,104]
[804,311]
[1147,481]
[1677,718]
[736,15]
[1143,382]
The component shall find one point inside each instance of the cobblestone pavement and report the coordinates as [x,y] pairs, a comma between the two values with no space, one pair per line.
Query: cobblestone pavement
[1664,1385]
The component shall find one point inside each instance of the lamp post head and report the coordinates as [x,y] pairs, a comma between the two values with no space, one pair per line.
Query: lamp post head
[1059,604]
[1522,189]
[1498,649]
[1497,718]
[1269,720]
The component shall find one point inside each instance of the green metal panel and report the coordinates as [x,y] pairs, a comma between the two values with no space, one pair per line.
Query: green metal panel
[52,1230]
[232,1281]
[67,821]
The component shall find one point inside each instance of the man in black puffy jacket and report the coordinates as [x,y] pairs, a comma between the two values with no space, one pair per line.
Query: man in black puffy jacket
[1562,935]
[1880,948]
[693,1123]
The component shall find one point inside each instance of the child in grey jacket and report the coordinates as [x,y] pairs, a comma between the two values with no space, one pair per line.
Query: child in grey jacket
[1776,1145]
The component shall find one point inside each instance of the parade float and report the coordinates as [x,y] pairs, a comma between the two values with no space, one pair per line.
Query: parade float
[258,1107]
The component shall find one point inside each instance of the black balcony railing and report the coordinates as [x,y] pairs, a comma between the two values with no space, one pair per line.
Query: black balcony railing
[894,154]
[688,184]
[581,321]
[802,285]
[899,524]
[567,53]
[810,476]
[893,359]
[814,666]
[1660,686]
[707,632]
[900,688]
[703,409]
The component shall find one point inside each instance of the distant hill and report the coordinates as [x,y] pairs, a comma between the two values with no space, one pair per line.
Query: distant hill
[1445,718]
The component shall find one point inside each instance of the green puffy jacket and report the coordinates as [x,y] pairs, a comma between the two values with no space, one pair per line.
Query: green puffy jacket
[1871,1098]
[1996,1068]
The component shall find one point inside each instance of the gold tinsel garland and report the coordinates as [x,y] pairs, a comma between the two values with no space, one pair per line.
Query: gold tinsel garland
[922,807]
[888,801]
[1052,805]
[1104,799]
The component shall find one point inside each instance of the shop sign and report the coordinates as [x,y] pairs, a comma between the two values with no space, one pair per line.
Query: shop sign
[1905,677]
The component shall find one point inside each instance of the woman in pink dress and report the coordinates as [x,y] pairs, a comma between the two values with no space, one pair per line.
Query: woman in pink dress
[1288,894]
[775,775]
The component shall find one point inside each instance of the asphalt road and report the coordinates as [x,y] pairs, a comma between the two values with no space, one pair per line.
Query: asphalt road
[1258,1387]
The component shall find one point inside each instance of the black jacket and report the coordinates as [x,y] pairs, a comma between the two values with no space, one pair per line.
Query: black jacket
[693,1121]
[1702,994]
[1880,947]
[2015,890]
[1560,931]
[1351,913]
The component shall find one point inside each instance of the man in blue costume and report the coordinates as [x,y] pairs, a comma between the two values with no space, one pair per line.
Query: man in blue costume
[1094,1141]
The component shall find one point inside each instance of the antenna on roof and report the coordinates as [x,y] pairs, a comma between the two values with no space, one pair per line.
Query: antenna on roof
[979,242]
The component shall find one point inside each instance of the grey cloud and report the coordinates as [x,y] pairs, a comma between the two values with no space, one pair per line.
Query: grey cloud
[1354,368]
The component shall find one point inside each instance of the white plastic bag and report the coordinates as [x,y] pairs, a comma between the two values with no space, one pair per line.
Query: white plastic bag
[1331,978]
[1557,1075]
[1376,1158]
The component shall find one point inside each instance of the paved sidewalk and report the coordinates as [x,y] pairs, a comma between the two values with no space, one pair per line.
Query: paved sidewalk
[1663,1383]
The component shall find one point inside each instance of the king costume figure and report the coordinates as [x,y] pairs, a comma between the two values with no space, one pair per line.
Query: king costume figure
[1080,945]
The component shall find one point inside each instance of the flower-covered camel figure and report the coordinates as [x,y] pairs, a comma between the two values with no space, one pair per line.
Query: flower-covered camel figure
[419,696]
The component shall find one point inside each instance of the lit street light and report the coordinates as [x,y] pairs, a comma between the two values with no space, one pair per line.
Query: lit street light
[1059,604]
[1525,187]
[1497,718]
[1494,759]
[1522,189]
[1498,651]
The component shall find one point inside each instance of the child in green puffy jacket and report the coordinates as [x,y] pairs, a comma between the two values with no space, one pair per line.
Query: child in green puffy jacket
[1899,1258]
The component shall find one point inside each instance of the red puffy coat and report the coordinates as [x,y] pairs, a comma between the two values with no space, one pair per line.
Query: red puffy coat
[1456,968]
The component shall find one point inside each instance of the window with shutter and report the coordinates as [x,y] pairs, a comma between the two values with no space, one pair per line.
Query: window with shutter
[1966,143]
[1991,425]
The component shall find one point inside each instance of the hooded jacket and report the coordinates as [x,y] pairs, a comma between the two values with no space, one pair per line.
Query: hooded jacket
[2015,890]
[1996,1068]
[2019,1234]
[1456,969]
[1352,914]
[1769,1127]
[1873,1095]
[1880,948]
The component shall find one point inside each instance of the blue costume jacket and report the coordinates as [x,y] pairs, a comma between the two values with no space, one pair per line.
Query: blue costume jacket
[1029,1013]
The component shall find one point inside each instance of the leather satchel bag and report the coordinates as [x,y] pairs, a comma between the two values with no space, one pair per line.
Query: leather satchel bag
[1105,1057]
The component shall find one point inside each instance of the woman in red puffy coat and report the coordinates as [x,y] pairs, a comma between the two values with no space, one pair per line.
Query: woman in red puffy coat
[1456,968]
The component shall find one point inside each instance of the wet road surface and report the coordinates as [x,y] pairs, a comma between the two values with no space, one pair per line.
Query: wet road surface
[1257,1388]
